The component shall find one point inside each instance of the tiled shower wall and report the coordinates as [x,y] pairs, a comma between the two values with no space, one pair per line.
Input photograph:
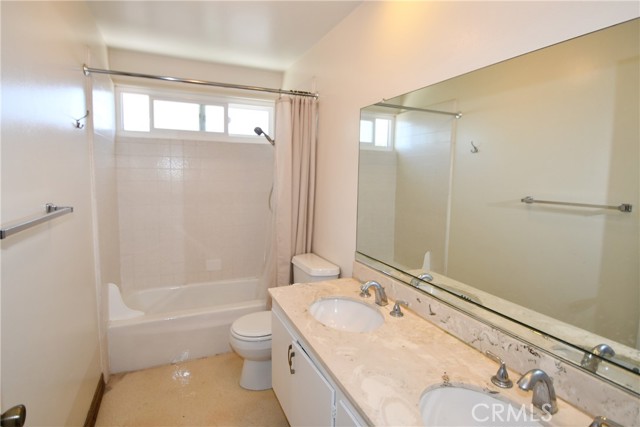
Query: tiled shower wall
[192,211]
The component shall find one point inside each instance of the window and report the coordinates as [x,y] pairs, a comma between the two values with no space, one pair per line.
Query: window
[376,131]
[147,113]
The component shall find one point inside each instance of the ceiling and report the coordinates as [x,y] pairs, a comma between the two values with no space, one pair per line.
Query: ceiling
[260,34]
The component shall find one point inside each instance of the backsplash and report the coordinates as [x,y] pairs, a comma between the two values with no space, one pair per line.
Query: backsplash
[581,389]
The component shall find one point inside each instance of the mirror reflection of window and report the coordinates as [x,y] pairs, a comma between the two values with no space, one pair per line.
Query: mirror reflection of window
[376,131]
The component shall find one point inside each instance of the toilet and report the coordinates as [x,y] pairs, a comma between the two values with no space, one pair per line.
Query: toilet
[250,335]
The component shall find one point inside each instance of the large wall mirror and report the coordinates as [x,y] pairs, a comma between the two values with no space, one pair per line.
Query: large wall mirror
[516,188]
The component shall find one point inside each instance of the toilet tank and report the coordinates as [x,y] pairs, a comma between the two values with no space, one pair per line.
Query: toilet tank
[311,268]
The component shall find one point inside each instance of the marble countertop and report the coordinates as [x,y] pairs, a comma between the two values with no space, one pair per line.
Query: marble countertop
[386,371]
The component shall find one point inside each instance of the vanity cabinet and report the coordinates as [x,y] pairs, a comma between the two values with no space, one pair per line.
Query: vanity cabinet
[307,396]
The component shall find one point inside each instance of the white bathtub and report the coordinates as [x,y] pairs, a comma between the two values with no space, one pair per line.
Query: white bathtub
[166,325]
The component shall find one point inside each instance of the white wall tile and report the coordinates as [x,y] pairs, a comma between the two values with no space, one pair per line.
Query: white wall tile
[184,202]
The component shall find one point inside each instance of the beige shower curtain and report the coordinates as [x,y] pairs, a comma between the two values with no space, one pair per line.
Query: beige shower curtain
[295,182]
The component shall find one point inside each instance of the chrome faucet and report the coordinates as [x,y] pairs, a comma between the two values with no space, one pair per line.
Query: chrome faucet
[424,276]
[381,296]
[603,422]
[544,395]
[590,361]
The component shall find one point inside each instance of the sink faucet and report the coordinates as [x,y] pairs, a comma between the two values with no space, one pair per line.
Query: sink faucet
[590,361]
[381,296]
[424,276]
[604,422]
[544,395]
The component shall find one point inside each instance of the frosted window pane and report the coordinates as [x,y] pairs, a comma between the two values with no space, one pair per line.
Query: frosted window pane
[214,118]
[382,133]
[366,131]
[176,115]
[135,112]
[243,120]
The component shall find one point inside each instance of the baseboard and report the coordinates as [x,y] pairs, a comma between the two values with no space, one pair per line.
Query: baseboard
[92,414]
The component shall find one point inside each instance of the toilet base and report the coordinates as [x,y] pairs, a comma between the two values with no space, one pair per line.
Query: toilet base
[256,375]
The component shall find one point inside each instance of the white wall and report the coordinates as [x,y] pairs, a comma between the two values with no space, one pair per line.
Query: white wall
[384,49]
[125,60]
[51,356]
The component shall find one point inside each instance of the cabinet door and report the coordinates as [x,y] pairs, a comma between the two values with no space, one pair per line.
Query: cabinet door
[313,396]
[306,397]
[281,348]
[345,416]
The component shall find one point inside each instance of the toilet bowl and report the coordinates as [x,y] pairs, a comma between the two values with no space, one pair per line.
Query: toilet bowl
[250,335]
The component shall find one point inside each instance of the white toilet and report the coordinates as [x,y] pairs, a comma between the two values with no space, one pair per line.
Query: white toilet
[250,335]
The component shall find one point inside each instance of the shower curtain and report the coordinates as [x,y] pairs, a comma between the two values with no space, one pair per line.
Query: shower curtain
[295,181]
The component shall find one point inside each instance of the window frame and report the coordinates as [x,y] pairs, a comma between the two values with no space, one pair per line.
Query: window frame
[189,97]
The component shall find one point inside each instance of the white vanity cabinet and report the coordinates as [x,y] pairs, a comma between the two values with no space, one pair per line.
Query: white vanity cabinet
[307,396]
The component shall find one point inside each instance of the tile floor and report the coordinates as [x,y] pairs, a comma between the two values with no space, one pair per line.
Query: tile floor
[202,392]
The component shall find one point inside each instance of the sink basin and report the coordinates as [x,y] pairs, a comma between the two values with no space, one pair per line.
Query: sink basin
[459,406]
[346,314]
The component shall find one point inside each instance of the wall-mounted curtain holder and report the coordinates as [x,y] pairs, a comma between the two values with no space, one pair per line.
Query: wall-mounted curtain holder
[51,211]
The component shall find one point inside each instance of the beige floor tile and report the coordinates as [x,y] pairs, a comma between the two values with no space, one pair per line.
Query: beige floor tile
[202,392]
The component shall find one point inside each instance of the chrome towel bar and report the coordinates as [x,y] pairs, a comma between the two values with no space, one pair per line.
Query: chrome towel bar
[52,211]
[624,207]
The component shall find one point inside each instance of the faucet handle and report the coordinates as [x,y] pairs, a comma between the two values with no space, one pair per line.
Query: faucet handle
[501,378]
[397,312]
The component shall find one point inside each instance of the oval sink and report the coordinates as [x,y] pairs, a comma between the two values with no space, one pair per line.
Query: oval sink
[346,314]
[458,406]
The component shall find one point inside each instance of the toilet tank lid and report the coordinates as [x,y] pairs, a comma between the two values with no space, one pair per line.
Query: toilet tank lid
[313,265]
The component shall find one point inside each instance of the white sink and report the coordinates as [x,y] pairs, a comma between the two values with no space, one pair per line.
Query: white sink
[458,406]
[346,314]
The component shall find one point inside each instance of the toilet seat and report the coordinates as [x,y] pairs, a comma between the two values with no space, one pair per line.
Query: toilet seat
[252,327]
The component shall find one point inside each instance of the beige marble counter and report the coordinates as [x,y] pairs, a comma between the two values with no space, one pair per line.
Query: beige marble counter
[385,372]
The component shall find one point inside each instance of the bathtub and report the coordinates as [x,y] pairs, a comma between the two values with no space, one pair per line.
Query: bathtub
[168,325]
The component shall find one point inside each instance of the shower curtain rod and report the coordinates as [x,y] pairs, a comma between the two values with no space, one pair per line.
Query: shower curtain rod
[402,107]
[87,71]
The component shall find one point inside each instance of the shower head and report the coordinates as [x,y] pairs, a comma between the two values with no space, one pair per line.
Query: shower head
[259,131]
